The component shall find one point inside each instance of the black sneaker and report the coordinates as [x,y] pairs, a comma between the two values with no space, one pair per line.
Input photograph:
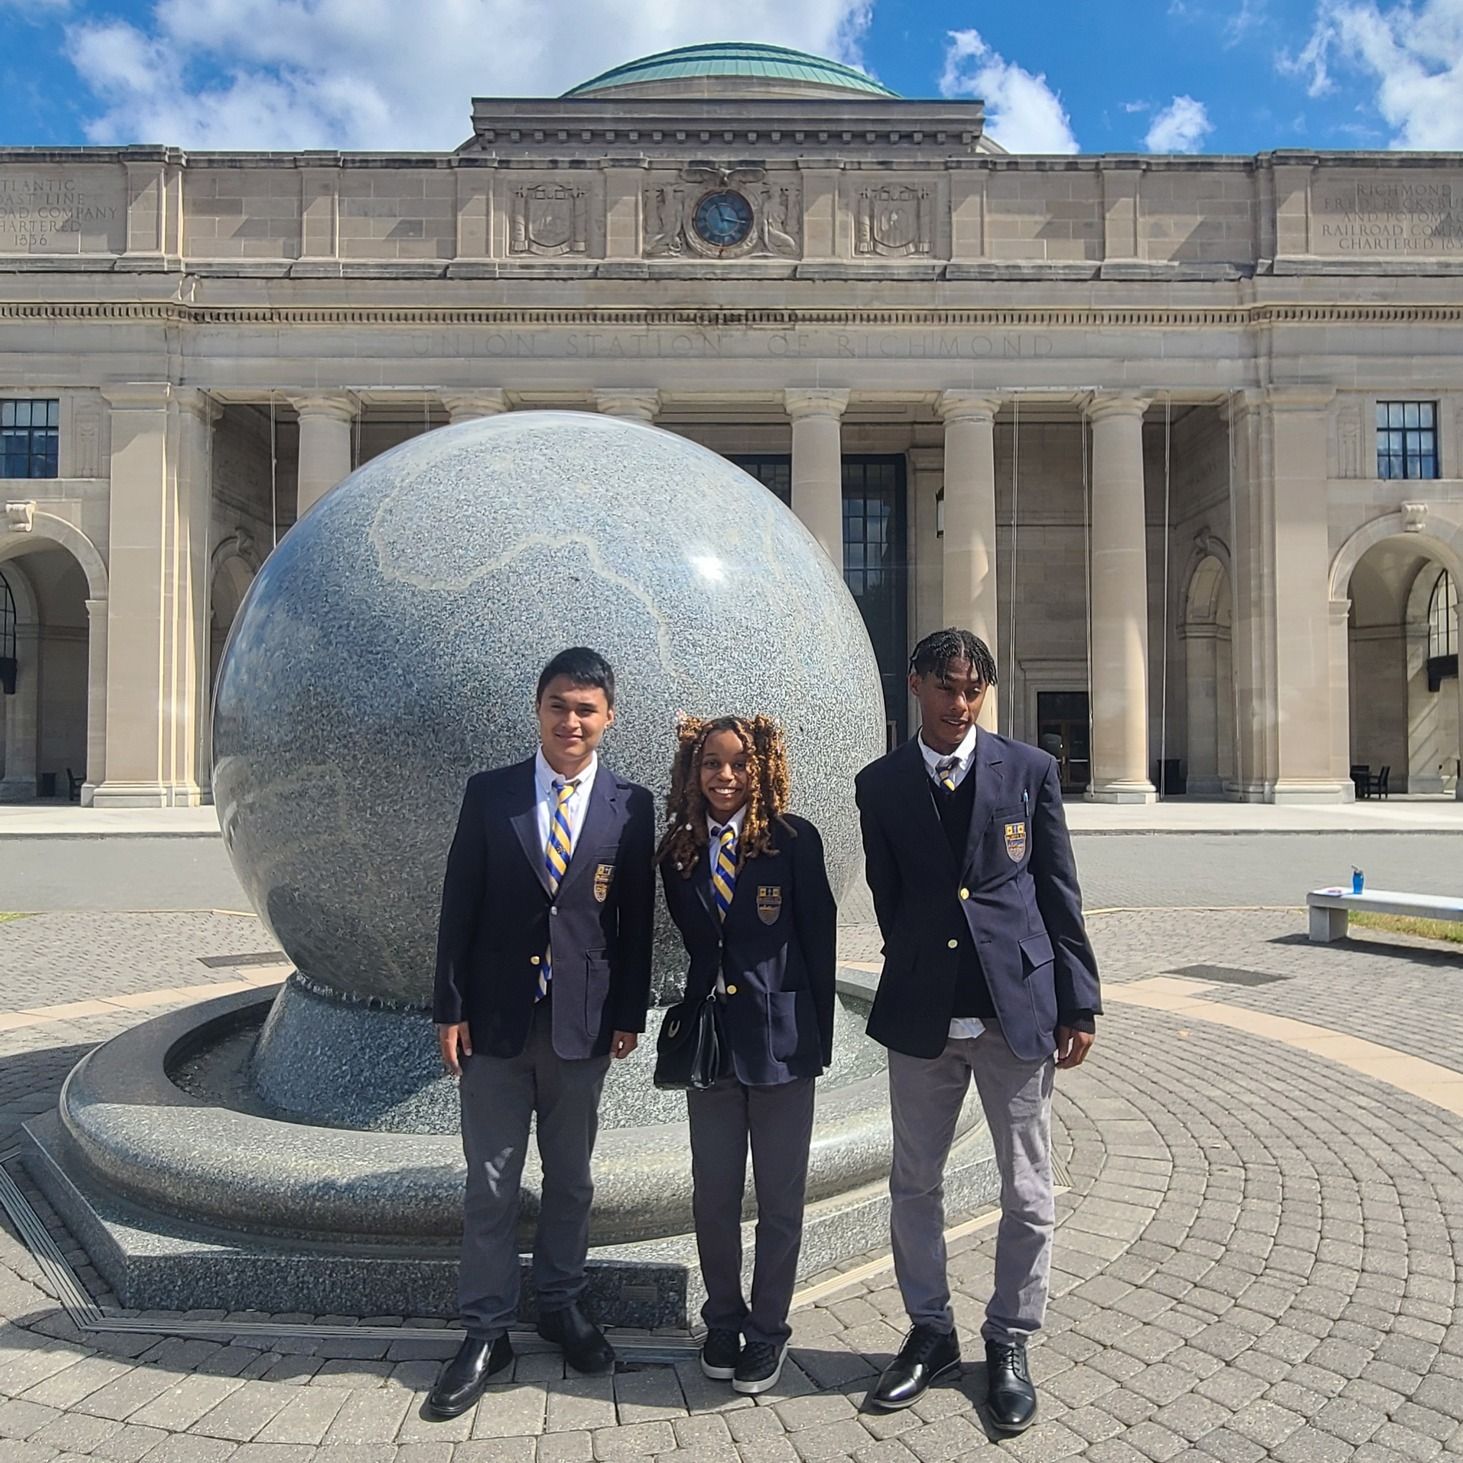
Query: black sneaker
[759,1368]
[720,1353]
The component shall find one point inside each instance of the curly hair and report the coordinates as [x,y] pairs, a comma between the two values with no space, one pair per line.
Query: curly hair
[767,788]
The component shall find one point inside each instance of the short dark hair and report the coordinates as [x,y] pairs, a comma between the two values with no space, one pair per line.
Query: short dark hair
[582,666]
[935,652]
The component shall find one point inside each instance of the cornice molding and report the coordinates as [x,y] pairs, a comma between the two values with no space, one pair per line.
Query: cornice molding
[1054,317]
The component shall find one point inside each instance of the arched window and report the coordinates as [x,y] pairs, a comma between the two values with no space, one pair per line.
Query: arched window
[7,638]
[1442,632]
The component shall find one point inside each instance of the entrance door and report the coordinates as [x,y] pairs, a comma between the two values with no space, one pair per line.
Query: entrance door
[1063,728]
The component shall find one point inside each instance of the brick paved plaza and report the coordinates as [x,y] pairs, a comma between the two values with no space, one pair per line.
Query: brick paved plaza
[1255,1257]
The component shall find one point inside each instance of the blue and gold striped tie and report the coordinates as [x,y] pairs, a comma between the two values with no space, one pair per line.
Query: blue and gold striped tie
[947,768]
[557,853]
[724,870]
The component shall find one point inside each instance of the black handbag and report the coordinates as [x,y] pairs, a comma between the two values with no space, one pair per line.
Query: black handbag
[691,1050]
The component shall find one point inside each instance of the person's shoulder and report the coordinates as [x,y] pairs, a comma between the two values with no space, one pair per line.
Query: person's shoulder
[876,771]
[492,779]
[1023,754]
[635,792]
[801,827]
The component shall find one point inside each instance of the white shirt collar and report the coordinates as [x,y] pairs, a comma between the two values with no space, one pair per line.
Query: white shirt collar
[714,825]
[961,754]
[547,777]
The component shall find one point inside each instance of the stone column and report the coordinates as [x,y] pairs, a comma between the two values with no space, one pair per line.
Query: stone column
[1339,654]
[21,713]
[817,464]
[96,700]
[157,611]
[467,406]
[1119,606]
[326,422]
[633,406]
[970,520]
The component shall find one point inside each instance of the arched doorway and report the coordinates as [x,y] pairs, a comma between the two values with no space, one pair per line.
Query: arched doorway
[1209,679]
[43,675]
[1403,702]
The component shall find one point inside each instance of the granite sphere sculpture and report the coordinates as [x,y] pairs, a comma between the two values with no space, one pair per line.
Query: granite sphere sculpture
[390,646]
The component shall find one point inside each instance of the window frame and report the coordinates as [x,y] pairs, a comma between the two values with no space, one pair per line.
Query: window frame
[38,462]
[1442,608]
[1403,449]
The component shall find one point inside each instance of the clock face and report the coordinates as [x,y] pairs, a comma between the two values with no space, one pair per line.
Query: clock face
[723,219]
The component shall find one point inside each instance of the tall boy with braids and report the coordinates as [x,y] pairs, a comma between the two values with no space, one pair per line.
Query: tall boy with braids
[746,885]
[987,975]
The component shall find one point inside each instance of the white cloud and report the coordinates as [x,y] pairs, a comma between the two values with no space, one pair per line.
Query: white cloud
[1250,16]
[1411,57]
[1023,113]
[1181,126]
[374,74]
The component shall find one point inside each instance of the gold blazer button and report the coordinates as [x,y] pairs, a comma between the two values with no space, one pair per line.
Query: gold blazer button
[965,893]
[953,944]
[731,990]
[534,960]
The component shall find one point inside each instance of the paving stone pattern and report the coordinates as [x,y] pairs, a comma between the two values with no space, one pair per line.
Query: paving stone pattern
[1255,1260]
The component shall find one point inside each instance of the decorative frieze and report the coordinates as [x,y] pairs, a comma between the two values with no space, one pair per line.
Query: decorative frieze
[893,220]
[549,219]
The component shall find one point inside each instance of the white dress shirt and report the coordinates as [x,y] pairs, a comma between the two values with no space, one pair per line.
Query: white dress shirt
[544,778]
[713,834]
[962,1028]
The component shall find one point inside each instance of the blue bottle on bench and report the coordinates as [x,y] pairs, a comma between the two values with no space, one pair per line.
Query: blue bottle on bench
[1358,881]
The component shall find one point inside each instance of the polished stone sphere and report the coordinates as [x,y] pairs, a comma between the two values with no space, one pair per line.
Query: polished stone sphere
[391,644]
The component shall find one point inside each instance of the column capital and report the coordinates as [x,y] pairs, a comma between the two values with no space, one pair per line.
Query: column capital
[138,395]
[968,406]
[337,406]
[96,609]
[1299,398]
[199,404]
[466,406]
[1340,610]
[637,405]
[814,401]
[1103,404]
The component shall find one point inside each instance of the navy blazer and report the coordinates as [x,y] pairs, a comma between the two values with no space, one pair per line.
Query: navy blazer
[497,917]
[777,952]
[1015,888]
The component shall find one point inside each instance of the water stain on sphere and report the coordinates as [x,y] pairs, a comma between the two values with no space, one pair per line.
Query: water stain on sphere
[390,647]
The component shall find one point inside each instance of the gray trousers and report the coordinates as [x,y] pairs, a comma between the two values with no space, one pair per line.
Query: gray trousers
[778,1122]
[926,1097]
[499,1095]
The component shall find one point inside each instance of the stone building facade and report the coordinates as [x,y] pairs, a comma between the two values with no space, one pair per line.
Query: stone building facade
[1182,436]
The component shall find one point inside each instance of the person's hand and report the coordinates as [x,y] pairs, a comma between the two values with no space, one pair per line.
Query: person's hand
[623,1043]
[454,1037]
[1073,1046]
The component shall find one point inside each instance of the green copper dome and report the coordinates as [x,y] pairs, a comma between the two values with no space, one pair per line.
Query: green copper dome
[734,67]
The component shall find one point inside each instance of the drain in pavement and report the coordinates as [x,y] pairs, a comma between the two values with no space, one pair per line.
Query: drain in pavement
[1227,974]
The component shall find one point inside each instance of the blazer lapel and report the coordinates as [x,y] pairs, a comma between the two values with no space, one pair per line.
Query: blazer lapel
[989,779]
[524,819]
[599,822]
[702,880]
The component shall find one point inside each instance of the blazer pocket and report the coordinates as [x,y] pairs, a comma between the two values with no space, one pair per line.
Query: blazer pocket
[596,989]
[1036,951]
[786,1014]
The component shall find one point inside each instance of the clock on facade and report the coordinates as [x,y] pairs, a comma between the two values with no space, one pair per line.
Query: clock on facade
[723,218]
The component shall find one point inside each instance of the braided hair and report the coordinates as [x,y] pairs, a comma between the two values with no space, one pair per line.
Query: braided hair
[767,788]
[935,652]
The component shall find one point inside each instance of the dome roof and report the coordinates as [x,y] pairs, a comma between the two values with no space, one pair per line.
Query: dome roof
[733,68]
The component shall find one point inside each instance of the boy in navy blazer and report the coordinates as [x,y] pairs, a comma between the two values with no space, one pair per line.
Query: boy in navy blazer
[988,974]
[543,975]
[746,884]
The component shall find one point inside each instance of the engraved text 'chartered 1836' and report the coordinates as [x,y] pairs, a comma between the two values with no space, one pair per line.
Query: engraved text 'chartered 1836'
[1392,218]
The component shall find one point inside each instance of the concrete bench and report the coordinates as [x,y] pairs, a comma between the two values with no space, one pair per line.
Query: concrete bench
[1331,909]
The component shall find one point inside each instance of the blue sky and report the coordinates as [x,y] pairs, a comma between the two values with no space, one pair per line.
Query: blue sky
[1128,76]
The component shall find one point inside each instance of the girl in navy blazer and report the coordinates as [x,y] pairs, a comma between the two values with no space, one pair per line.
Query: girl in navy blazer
[747,887]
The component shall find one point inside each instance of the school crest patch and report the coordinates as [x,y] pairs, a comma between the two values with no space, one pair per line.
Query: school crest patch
[769,903]
[1016,841]
[603,874]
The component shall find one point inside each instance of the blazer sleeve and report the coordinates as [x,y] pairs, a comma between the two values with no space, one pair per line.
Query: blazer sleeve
[630,981]
[462,895]
[881,868]
[1059,898]
[816,914]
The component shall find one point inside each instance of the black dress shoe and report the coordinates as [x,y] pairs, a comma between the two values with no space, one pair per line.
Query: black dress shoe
[583,1343]
[1010,1397]
[464,1377]
[720,1353]
[926,1356]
